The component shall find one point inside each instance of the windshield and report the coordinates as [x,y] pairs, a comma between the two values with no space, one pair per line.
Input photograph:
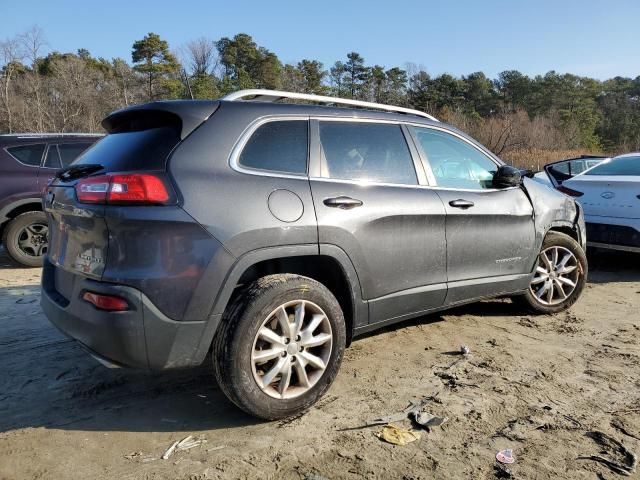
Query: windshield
[618,166]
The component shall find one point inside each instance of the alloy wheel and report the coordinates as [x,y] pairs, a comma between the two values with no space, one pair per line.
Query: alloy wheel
[556,277]
[33,239]
[291,349]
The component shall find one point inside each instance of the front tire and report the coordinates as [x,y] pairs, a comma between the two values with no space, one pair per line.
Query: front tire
[26,238]
[560,277]
[279,346]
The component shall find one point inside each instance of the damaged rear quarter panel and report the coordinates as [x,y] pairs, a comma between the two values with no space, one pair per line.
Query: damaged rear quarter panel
[551,209]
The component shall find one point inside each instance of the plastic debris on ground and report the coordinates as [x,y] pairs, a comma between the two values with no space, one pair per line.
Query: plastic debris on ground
[505,456]
[397,436]
[184,444]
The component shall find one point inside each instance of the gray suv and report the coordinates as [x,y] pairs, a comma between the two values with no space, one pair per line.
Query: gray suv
[270,234]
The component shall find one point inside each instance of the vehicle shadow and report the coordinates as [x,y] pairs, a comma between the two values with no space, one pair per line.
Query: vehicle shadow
[607,266]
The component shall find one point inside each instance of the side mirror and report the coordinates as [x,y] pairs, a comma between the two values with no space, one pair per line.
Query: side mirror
[507,176]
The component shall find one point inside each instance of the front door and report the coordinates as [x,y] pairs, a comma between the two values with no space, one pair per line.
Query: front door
[369,202]
[490,232]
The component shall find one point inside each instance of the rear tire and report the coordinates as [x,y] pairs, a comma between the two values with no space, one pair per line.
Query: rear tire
[561,274]
[26,239]
[279,346]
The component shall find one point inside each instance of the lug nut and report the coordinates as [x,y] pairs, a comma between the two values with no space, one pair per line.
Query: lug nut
[293,359]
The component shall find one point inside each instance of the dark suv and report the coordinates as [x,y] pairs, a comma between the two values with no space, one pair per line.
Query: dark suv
[271,234]
[27,163]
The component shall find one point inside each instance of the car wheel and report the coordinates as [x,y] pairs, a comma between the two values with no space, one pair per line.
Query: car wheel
[560,276]
[26,238]
[279,346]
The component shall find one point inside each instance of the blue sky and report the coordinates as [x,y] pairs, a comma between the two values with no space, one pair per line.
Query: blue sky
[588,37]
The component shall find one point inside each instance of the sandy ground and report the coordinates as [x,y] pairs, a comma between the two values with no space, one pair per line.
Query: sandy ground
[537,385]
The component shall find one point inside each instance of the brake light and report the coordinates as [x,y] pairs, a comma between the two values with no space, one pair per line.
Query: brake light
[569,191]
[106,302]
[133,188]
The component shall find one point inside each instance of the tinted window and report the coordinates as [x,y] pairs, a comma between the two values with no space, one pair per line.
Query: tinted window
[454,162]
[28,154]
[617,166]
[280,146]
[133,150]
[366,151]
[70,151]
[53,159]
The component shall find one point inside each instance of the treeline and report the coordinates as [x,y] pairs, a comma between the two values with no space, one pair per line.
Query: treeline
[43,90]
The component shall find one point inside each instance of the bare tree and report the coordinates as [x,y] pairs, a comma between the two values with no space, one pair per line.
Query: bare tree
[33,42]
[11,54]
[201,56]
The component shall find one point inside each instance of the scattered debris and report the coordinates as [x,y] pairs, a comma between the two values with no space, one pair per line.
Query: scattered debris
[464,350]
[505,456]
[213,449]
[184,444]
[619,425]
[621,460]
[170,450]
[426,420]
[133,455]
[397,436]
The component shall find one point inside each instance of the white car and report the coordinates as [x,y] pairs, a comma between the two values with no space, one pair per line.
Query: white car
[557,172]
[610,196]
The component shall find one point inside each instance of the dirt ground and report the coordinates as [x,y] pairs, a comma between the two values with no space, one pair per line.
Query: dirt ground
[537,385]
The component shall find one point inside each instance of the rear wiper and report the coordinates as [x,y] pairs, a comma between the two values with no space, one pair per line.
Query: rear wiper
[77,171]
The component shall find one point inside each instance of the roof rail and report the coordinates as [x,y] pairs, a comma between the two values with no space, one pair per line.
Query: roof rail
[261,95]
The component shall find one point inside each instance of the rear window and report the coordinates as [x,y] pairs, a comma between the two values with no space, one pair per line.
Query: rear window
[28,154]
[279,146]
[132,150]
[61,155]
[617,166]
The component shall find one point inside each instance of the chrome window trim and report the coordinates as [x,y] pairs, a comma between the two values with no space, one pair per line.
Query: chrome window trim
[248,132]
[6,149]
[427,166]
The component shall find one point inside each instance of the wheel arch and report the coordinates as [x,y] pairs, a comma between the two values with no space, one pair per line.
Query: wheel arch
[326,264]
[18,207]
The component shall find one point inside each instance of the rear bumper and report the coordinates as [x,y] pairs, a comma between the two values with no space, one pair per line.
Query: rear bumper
[612,232]
[141,337]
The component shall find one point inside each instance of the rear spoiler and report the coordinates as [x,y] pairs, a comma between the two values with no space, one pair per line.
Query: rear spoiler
[188,113]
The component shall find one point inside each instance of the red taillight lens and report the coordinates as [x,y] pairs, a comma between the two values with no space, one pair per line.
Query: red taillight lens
[117,188]
[106,302]
[93,189]
[569,191]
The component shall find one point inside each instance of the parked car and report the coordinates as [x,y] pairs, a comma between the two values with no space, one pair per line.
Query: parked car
[557,172]
[27,163]
[610,196]
[271,234]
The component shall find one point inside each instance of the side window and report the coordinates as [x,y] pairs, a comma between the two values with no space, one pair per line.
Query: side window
[28,154]
[279,146]
[70,151]
[53,159]
[366,151]
[454,162]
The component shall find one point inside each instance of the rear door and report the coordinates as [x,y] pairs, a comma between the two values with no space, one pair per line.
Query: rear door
[370,201]
[59,155]
[490,233]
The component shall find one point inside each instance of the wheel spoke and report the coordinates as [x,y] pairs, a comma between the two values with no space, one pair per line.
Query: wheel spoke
[302,374]
[298,318]
[546,261]
[316,341]
[550,292]
[271,336]
[270,376]
[538,279]
[285,378]
[566,281]
[542,290]
[285,324]
[541,270]
[560,289]
[554,257]
[311,359]
[263,356]
[565,270]
[564,260]
[316,320]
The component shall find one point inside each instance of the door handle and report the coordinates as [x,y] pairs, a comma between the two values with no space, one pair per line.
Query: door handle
[460,203]
[342,202]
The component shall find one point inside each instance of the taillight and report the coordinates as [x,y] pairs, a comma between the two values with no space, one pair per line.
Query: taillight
[106,302]
[135,188]
[569,191]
